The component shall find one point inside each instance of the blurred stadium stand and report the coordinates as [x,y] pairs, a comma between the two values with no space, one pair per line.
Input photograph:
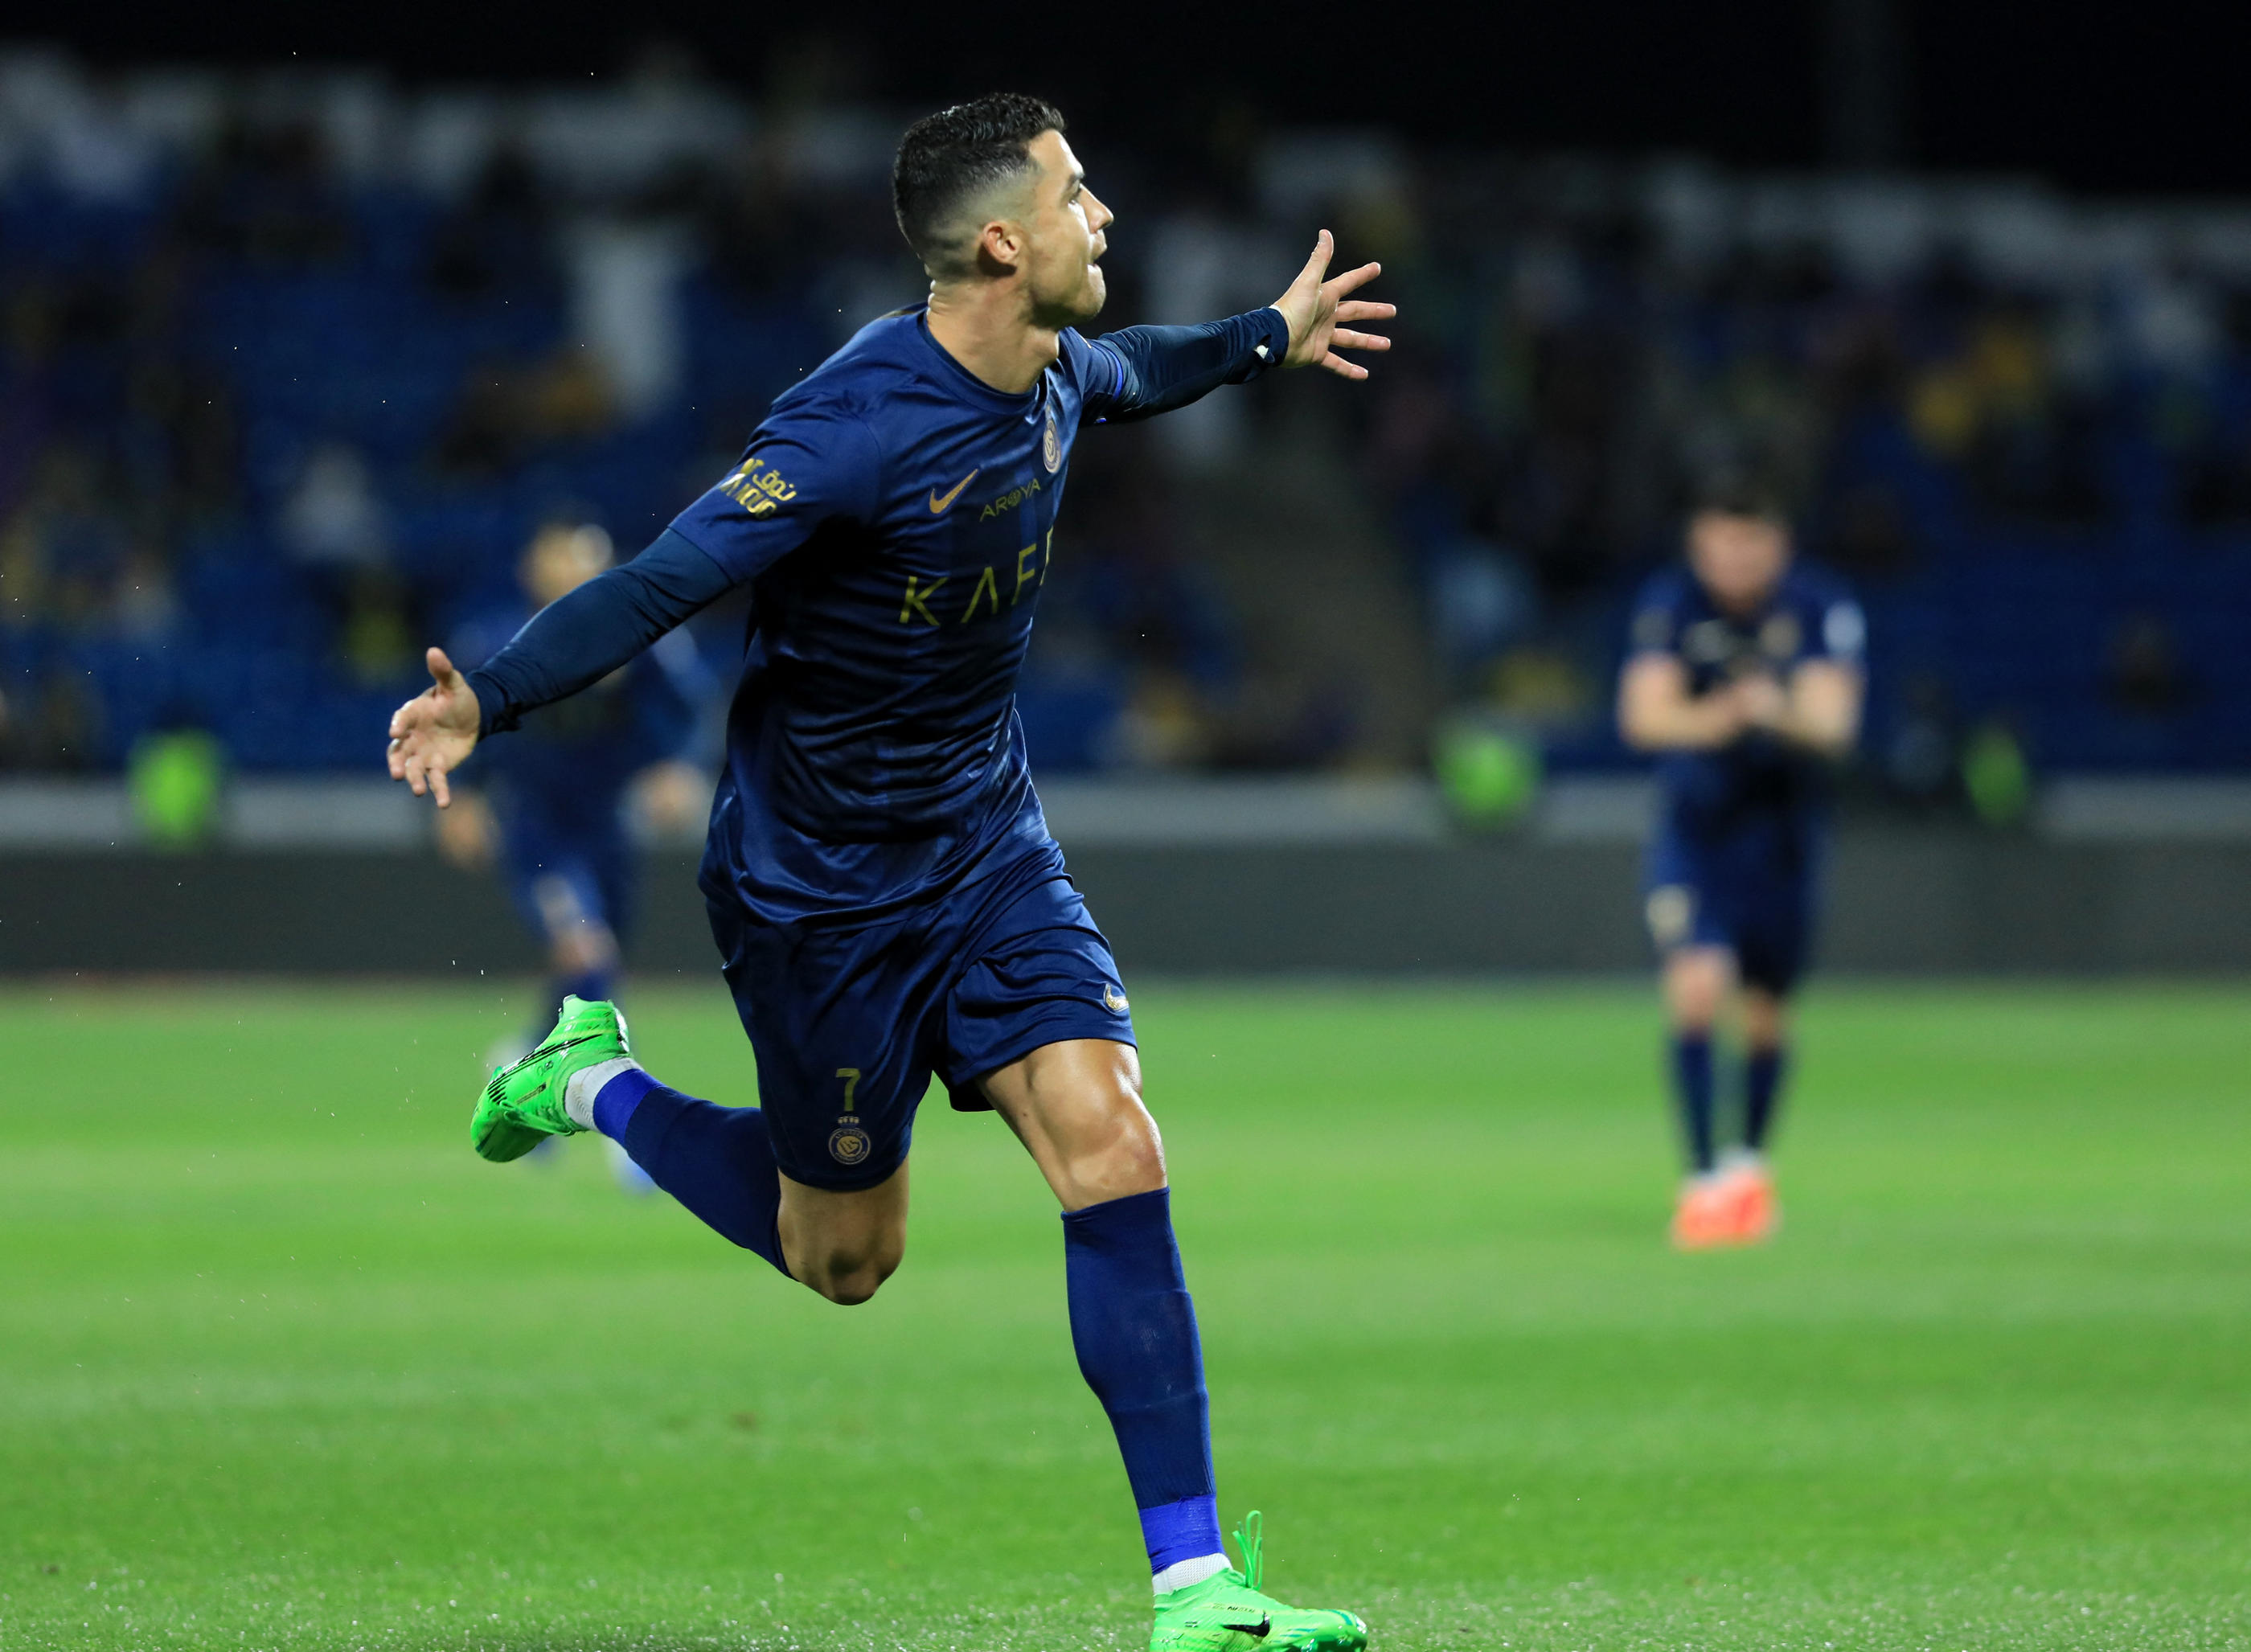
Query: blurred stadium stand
[290,365]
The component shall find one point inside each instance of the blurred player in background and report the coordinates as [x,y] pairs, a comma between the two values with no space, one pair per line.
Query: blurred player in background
[882,884]
[1744,674]
[554,806]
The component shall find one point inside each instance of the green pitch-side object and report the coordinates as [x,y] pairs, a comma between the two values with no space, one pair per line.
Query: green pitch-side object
[1997,776]
[1226,1612]
[524,1104]
[176,781]
[1489,775]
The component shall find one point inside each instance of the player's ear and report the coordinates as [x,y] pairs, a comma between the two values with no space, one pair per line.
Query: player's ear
[1000,246]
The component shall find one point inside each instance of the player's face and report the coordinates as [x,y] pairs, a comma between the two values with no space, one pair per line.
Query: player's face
[1064,278]
[1738,559]
[562,559]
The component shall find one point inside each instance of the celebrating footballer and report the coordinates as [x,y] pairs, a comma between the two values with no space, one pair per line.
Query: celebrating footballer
[886,898]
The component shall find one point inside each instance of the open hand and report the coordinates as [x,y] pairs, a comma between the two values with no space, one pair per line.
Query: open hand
[1317,310]
[435,731]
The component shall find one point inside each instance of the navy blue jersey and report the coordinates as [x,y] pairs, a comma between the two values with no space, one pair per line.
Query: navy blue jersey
[895,518]
[1810,616]
[880,877]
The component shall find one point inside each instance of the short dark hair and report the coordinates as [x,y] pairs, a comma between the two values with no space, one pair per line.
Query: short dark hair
[948,159]
[1729,491]
[567,514]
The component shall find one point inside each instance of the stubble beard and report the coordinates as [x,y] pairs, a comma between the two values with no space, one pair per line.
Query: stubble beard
[1093,293]
[1083,303]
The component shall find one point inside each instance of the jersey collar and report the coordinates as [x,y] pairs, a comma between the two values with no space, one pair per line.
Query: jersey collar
[968,383]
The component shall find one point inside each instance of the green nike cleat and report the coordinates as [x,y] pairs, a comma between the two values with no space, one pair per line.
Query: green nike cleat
[1225,1613]
[523,1106]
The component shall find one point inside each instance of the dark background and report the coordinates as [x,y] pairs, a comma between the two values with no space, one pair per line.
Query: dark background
[2097,97]
[1915,902]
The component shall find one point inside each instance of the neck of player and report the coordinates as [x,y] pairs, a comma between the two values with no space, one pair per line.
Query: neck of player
[989,326]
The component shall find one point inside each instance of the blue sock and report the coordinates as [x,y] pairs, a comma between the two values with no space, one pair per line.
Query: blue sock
[596,986]
[1763,1076]
[716,1161]
[1135,1331]
[1692,1089]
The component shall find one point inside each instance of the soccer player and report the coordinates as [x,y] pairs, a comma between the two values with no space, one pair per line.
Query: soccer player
[882,888]
[1744,674]
[552,806]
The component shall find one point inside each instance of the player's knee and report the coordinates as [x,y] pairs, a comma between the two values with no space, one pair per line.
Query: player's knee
[1129,1159]
[848,1276]
[583,946]
[1765,1023]
[1140,1154]
[1695,984]
[850,1288]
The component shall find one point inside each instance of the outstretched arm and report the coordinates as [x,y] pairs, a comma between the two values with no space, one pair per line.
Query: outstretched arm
[575,641]
[581,637]
[1154,369]
[813,465]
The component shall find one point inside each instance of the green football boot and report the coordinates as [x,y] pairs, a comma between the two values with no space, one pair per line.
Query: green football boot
[523,1106]
[1225,1613]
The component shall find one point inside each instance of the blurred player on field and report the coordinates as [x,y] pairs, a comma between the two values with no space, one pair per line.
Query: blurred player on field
[554,807]
[1744,674]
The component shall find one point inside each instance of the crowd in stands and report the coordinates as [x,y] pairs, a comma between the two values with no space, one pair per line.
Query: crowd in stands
[2021,427]
[290,367]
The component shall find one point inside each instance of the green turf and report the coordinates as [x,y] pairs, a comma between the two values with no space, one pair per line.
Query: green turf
[282,1365]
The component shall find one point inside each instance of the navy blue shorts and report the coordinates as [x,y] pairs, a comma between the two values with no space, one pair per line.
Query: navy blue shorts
[1750,893]
[848,1025]
[564,871]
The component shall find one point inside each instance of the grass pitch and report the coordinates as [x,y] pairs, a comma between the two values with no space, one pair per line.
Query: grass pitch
[282,1365]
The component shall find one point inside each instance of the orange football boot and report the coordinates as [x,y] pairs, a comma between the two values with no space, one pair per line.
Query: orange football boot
[1756,1214]
[1706,1217]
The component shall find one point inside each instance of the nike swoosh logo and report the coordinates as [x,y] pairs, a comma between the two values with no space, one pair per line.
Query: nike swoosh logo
[938,506]
[1257,1631]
